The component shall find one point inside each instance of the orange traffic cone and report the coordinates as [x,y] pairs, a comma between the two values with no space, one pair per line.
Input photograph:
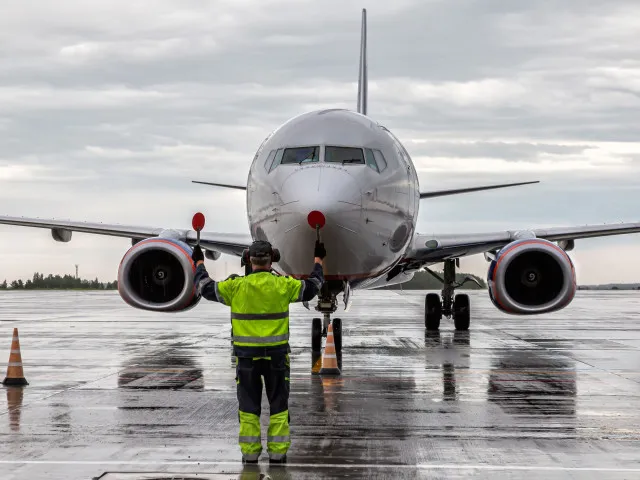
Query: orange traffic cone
[15,374]
[329,357]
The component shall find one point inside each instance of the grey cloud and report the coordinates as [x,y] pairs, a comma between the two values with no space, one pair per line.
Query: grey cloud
[121,104]
[520,151]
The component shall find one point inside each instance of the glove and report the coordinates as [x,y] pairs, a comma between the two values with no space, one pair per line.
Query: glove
[319,251]
[197,254]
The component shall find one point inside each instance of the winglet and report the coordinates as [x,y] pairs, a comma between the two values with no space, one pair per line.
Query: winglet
[443,193]
[363,81]
[237,187]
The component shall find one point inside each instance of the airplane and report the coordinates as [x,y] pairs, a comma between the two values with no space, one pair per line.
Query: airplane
[339,175]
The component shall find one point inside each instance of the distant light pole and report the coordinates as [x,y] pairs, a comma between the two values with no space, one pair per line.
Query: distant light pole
[76,271]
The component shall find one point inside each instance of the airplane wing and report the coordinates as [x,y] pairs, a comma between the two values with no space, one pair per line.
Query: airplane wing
[232,244]
[428,249]
[224,185]
[457,191]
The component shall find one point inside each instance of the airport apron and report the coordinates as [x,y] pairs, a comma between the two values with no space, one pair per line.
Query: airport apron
[260,323]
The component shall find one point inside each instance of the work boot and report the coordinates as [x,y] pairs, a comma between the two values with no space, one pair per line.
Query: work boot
[278,460]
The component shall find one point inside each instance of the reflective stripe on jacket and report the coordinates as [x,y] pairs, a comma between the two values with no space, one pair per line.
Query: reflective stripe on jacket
[282,286]
[259,307]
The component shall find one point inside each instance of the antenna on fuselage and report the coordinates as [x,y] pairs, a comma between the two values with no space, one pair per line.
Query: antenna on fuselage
[363,82]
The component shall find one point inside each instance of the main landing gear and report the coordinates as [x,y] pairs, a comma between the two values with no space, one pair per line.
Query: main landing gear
[450,306]
[327,304]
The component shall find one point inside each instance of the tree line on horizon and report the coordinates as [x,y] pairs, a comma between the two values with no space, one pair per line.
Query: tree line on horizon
[421,281]
[56,282]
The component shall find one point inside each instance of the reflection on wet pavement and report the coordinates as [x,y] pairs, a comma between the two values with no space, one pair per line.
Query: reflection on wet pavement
[114,391]
[14,406]
[162,368]
[534,383]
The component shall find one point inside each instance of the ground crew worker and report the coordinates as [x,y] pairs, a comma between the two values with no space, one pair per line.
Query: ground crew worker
[260,324]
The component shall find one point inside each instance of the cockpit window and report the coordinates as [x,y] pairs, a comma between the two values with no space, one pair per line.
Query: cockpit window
[300,155]
[375,160]
[276,159]
[371,161]
[269,160]
[402,152]
[344,155]
[380,160]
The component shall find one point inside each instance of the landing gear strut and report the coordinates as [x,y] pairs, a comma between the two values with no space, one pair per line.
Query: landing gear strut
[327,304]
[456,306]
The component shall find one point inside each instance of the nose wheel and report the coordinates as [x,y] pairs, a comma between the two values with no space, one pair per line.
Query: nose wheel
[317,332]
[327,305]
[316,335]
[337,334]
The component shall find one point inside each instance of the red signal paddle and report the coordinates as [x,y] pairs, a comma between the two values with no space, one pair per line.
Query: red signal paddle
[198,224]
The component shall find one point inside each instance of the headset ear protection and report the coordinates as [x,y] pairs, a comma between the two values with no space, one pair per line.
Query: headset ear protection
[275,256]
[245,257]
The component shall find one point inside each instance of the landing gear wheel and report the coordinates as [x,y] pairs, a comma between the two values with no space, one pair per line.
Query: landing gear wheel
[432,311]
[337,333]
[461,312]
[316,335]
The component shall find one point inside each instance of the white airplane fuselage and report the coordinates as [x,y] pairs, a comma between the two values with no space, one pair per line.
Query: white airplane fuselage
[333,162]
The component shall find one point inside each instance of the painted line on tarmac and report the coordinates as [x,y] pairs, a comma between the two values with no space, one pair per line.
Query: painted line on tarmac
[351,466]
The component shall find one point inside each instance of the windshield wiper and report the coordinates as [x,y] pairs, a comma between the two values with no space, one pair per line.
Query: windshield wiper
[352,160]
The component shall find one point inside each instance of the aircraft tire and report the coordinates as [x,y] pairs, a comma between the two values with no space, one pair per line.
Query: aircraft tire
[461,312]
[432,311]
[316,335]
[337,333]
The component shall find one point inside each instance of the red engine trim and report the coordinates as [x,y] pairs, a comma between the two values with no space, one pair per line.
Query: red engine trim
[528,242]
[169,242]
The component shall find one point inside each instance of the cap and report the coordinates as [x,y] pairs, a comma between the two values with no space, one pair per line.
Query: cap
[260,248]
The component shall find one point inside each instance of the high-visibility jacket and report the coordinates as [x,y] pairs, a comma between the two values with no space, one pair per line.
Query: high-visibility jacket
[259,307]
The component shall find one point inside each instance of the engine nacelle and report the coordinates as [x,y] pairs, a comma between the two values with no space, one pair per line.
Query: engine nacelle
[531,276]
[158,274]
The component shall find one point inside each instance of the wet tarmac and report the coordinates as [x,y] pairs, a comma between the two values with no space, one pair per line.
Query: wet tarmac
[121,394]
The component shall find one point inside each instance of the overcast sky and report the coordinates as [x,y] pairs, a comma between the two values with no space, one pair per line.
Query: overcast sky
[109,108]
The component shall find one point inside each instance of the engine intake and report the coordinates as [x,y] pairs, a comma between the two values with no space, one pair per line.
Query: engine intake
[531,276]
[158,274]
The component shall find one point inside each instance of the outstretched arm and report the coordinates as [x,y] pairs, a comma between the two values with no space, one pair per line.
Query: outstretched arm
[205,285]
[311,286]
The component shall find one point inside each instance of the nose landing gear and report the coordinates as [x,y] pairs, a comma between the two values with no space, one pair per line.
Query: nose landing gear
[327,305]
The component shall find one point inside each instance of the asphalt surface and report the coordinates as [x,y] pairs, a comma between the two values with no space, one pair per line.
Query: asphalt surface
[121,394]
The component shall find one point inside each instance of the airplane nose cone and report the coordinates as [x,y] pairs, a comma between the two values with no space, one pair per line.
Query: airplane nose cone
[323,195]
[330,197]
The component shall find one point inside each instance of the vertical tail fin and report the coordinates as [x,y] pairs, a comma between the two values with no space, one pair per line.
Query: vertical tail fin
[363,82]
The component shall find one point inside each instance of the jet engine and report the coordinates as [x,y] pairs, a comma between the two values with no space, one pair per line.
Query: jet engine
[531,276]
[158,274]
